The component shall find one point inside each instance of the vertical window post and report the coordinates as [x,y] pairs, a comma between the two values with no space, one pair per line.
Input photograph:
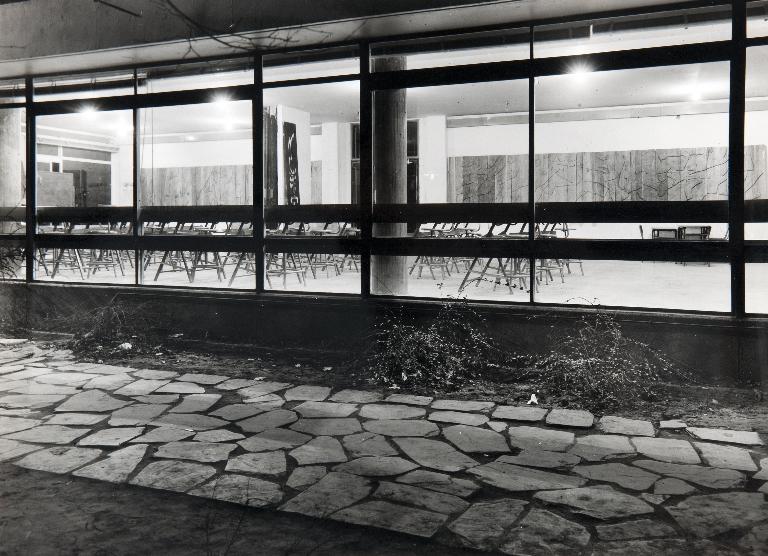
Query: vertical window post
[531,170]
[137,227]
[257,114]
[366,169]
[737,105]
[31,154]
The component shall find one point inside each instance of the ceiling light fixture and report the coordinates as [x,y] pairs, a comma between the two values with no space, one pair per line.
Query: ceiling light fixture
[190,137]
[580,71]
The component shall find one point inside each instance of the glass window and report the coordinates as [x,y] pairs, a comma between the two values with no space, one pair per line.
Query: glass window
[85,172]
[312,272]
[13,174]
[68,87]
[196,75]
[97,266]
[692,26]
[649,284]
[197,168]
[756,145]
[12,91]
[642,142]
[310,64]
[756,282]
[757,18]
[455,50]
[12,262]
[199,269]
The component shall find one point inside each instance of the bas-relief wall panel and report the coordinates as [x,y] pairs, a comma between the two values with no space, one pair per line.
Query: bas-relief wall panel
[647,175]
[197,185]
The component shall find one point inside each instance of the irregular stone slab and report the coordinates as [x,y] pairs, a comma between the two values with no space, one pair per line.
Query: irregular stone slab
[11,449]
[202,378]
[312,393]
[269,420]
[322,449]
[235,384]
[266,402]
[638,529]
[462,405]
[163,434]
[31,401]
[522,413]
[42,389]
[520,479]
[141,387]
[302,477]
[394,517]
[24,385]
[29,372]
[327,427]
[137,414]
[181,388]
[712,514]
[597,447]
[155,375]
[217,435]
[196,403]
[391,411]
[92,401]
[162,399]
[534,438]
[330,494]
[195,451]
[542,533]
[325,409]
[666,449]
[356,396]
[111,437]
[497,426]
[117,467]
[755,540]
[109,370]
[422,498]
[673,424]
[747,438]
[727,457]
[475,440]
[178,476]
[259,463]
[630,427]
[673,487]
[710,477]
[458,417]
[49,434]
[240,489]
[407,399]
[108,382]
[626,476]
[263,388]
[16,424]
[13,341]
[652,547]
[570,418]
[763,473]
[483,524]
[189,421]
[274,439]
[402,427]
[237,411]
[540,458]
[61,459]
[435,454]
[377,466]
[367,444]
[64,379]
[439,482]
[600,503]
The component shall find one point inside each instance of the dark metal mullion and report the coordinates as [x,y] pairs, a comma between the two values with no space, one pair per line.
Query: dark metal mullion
[531,173]
[312,81]
[31,181]
[737,105]
[258,171]
[138,223]
[366,169]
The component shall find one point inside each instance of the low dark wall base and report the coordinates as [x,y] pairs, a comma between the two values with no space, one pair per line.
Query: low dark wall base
[715,348]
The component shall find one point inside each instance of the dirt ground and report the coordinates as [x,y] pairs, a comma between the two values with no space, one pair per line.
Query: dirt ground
[43,514]
[701,405]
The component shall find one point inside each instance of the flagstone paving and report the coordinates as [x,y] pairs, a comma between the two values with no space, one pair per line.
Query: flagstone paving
[501,478]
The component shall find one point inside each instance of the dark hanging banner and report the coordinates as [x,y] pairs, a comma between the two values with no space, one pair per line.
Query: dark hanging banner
[270,157]
[291,164]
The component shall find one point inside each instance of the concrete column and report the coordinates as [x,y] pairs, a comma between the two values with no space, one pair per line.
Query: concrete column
[11,156]
[389,274]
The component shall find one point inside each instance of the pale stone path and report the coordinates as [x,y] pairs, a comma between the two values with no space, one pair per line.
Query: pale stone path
[515,480]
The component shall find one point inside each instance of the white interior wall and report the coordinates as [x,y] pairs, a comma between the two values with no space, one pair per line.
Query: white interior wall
[122,175]
[433,166]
